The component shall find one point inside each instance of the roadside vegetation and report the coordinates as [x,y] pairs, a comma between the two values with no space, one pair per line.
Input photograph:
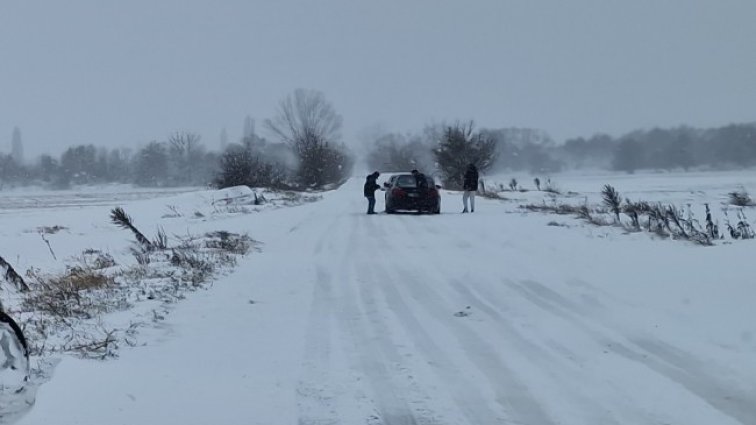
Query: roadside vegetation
[67,311]
[661,219]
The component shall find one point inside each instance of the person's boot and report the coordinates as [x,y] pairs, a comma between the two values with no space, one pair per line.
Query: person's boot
[464,210]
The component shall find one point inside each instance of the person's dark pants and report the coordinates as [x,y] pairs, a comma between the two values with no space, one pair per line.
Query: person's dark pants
[371,204]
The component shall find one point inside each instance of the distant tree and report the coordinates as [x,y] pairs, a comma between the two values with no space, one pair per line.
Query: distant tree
[240,166]
[460,146]
[102,166]
[119,165]
[628,156]
[78,165]
[394,152]
[736,145]
[251,140]
[17,147]
[207,168]
[523,149]
[678,151]
[309,124]
[185,154]
[596,151]
[9,170]
[151,165]
[48,168]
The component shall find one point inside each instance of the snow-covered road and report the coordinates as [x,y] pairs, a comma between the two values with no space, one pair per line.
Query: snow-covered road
[484,318]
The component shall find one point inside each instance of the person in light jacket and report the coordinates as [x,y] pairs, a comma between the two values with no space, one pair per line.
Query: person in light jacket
[470,186]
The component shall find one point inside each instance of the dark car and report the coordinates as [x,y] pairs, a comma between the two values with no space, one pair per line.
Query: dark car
[410,192]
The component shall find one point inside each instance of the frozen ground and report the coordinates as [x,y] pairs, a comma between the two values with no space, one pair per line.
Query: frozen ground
[485,318]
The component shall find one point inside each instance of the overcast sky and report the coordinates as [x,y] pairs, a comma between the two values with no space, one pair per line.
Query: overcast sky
[122,73]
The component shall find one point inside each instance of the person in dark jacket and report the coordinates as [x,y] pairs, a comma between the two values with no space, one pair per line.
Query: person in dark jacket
[420,181]
[470,186]
[371,185]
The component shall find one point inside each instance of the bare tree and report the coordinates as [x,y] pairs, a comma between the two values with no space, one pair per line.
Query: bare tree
[183,142]
[305,117]
[309,124]
[185,154]
[396,152]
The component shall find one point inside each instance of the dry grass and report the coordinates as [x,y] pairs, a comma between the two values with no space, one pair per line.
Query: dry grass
[65,312]
[69,295]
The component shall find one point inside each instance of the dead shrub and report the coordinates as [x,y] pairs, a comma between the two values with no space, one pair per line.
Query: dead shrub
[97,259]
[81,279]
[72,294]
[740,198]
[488,194]
[50,230]
[229,242]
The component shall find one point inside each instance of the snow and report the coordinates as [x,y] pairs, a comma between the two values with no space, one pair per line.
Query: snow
[348,318]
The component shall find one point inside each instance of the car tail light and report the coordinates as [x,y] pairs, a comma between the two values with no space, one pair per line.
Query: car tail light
[432,193]
[397,192]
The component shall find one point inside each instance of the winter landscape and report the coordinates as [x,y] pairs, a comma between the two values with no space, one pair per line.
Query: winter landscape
[501,316]
[381,213]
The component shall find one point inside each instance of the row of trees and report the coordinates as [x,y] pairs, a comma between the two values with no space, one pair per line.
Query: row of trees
[682,148]
[532,150]
[179,160]
[733,146]
[308,153]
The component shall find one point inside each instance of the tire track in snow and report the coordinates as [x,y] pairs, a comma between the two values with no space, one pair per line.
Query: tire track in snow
[511,394]
[386,343]
[392,408]
[314,399]
[666,360]
[520,343]
[464,393]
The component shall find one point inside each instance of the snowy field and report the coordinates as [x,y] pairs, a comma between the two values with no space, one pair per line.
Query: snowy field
[20,200]
[494,317]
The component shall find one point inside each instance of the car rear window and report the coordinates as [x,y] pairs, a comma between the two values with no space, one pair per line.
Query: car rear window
[406,182]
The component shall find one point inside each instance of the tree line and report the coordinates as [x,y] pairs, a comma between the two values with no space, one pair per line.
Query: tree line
[179,160]
[439,146]
[307,154]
